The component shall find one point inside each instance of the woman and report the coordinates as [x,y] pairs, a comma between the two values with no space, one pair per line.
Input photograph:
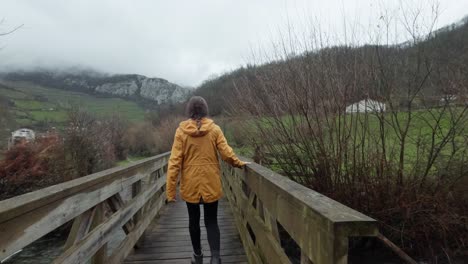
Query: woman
[194,155]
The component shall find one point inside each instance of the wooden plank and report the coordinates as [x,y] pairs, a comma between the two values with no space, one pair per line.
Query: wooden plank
[180,254]
[187,247]
[73,231]
[101,255]
[101,234]
[132,238]
[115,203]
[262,180]
[271,224]
[229,185]
[13,207]
[18,232]
[168,240]
[80,228]
[317,223]
[155,242]
[136,189]
[184,231]
[265,240]
[305,259]
[237,259]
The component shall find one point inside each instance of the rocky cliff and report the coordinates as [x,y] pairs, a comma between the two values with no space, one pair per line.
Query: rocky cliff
[123,85]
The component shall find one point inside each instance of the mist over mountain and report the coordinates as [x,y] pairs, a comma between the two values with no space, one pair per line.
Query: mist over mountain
[132,86]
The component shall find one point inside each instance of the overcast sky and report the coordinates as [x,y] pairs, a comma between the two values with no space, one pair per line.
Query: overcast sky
[182,41]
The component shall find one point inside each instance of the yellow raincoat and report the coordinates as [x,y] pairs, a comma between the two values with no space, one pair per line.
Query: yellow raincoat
[195,156]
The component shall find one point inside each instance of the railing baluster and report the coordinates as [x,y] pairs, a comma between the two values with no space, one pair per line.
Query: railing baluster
[340,250]
[80,228]
[271,224]
[101,255]
[136,189]
[115,203]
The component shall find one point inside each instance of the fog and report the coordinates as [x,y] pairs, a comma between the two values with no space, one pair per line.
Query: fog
[185,42]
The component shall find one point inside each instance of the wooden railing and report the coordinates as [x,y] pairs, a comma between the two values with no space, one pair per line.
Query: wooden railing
[268,206]
[95,205]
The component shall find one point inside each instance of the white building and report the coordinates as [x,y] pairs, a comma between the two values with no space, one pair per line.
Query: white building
[366,105]
[23,134]
[448,98]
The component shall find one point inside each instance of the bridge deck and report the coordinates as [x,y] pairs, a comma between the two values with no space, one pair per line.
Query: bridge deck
[167,239]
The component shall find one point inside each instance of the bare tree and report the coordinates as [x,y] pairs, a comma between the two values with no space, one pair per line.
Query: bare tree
[402,164]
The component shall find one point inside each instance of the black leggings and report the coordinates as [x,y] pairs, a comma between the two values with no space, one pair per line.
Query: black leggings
[210,211]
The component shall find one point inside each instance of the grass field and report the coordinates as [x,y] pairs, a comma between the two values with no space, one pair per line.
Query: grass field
[31,104]
[418,140]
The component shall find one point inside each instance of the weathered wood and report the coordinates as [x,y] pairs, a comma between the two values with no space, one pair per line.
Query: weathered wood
[18,205]
[31,219]
[266,242]
[100,257]
[271,224]
[115,203]
[26,218]
[163,245]
[319,225]
[71,239]
[258,198]
[396,249]
[137,188]
[305,259]
[133,237]
[81,226]
[101,234]
[28,227]
[229,188]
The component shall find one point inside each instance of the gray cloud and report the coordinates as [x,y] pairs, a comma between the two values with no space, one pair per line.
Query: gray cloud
[182,41]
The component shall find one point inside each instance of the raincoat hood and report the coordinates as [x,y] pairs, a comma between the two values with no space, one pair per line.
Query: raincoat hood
[197,128]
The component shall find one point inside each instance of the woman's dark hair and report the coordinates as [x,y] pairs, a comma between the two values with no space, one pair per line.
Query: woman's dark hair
[197,107]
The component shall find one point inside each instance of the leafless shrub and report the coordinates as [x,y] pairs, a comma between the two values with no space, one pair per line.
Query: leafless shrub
[89,143]
[140,139]
[29,166]
[144,139]
[402,166]
[165,133]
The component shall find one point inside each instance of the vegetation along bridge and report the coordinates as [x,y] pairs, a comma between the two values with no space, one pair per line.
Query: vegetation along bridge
[260,208]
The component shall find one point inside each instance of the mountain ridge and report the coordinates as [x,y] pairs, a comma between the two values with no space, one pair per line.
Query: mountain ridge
[132,86]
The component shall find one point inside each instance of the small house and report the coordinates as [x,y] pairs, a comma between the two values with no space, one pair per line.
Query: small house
[21,135]
[366,105]
[448,99]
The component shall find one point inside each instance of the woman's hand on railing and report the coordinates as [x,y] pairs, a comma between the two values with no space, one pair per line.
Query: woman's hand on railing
[171,200]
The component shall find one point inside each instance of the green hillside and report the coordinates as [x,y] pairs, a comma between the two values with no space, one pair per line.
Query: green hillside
[40,107]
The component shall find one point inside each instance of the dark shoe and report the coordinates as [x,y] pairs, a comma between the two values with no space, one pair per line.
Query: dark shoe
[197,259]
[215,258]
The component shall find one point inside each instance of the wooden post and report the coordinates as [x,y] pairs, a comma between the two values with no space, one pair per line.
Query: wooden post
[80,228]
[115,203]
[101,255]
[136,188]
[271,224]
[340,250]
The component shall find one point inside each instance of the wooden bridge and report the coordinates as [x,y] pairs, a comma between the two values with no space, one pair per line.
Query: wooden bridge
[262,214]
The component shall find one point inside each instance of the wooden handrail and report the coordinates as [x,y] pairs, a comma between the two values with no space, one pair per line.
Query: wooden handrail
[26,218]
[265,205]
[265,202]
